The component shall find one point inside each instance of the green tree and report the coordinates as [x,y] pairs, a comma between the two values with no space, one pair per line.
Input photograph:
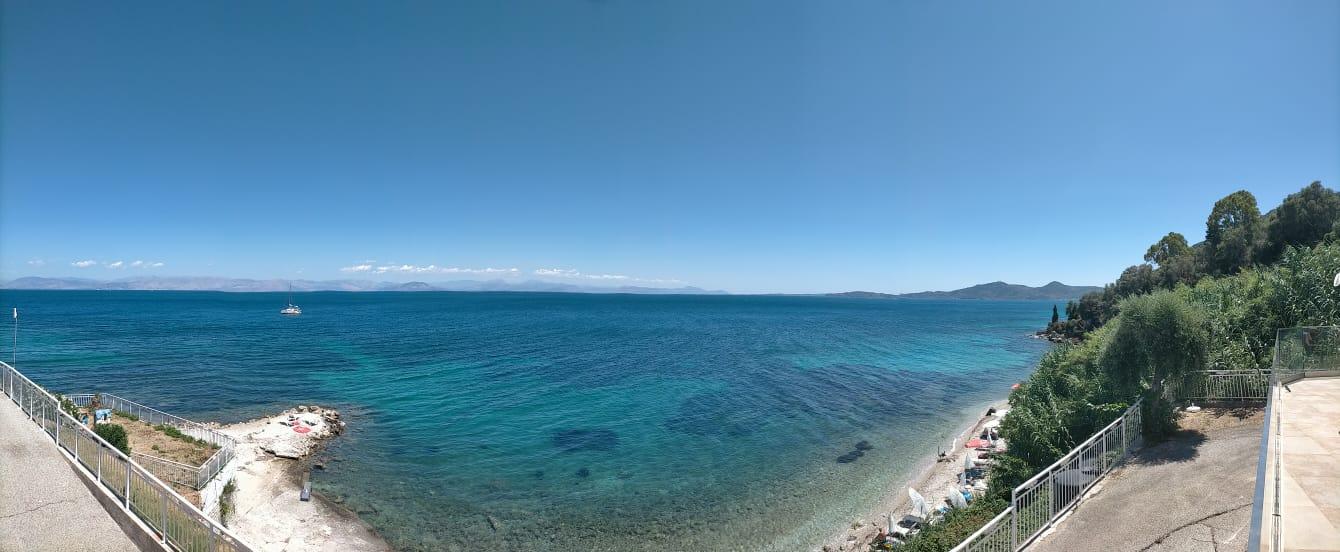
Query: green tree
[1056,316]
[1302,220]
[1158,338]
[1232,232]
[1168,247]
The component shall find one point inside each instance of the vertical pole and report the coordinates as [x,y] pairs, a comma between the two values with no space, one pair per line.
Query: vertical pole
[127,495]
[162,497]
[1123,436]
[1014,519]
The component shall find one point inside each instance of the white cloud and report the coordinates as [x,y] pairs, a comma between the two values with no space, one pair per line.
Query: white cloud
[116,265]
[428,269]
[137,264]
[36,262]
[571,273]
[83,264]
[156,265]
[559,272]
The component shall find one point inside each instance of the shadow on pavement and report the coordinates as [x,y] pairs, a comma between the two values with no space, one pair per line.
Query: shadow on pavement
[1184,446]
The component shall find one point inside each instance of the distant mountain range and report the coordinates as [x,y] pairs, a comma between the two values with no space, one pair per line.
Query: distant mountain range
[1000,291]
[206,283]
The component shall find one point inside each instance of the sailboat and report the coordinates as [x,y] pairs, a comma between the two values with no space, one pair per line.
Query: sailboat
[291,309]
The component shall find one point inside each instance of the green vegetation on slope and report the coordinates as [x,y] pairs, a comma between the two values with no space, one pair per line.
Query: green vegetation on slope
[1212,305]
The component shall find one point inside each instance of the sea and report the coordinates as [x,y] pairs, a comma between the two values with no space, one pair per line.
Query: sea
[557,422]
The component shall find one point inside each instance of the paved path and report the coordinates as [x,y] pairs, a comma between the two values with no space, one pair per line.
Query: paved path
[1193,493]
[1310,476]
[44,505]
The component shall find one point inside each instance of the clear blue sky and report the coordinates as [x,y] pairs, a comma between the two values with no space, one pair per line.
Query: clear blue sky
[747,146]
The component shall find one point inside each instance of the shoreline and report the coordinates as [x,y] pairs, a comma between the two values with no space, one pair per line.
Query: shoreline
[929,476]
[268,470]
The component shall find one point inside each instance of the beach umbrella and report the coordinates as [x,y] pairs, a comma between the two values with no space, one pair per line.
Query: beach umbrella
[967,465]
[920,507]
[956,498]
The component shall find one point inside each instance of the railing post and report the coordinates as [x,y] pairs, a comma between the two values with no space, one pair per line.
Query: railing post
[163,499]
[127,495]
[1014,519]
[1124,422]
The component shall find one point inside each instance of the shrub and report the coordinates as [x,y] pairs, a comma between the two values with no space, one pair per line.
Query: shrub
[114,434]
[957,525]
[226,501]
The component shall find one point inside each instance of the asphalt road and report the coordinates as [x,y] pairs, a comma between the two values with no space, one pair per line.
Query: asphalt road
[1193,493]
[44,506]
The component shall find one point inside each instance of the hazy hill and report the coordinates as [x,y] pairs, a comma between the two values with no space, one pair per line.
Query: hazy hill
[1054,291]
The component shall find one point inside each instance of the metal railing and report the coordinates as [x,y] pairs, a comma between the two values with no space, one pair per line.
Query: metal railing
[1223,385]
[176,522]
[162,467]
[1036,504]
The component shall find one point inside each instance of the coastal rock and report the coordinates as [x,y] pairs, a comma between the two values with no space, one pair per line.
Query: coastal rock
[864,445]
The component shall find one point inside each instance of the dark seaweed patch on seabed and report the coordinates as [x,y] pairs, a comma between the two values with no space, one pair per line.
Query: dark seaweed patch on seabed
[576,440]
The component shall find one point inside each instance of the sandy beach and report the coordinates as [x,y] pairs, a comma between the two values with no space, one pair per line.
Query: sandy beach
[933,480]
[271,460]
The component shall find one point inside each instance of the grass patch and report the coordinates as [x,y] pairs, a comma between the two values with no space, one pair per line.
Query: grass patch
[226,502]
[173,432]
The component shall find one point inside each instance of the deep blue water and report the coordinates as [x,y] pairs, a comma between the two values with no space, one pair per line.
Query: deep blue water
[577,422]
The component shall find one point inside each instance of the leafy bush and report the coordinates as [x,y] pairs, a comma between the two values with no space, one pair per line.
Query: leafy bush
[127,415]
[114,434]
[957,525]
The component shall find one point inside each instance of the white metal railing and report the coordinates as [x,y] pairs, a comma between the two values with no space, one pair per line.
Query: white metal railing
[227,446]
[177,522]
[1223,385]
[1036,504]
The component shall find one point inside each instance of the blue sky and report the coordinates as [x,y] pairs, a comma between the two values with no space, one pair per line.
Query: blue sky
[747,146]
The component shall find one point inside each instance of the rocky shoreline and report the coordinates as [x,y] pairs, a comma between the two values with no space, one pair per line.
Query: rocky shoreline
[273,455]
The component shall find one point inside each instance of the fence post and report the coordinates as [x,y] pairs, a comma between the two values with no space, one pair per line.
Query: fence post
[127,495]
[1124,420]
[1014,519]
[163,499]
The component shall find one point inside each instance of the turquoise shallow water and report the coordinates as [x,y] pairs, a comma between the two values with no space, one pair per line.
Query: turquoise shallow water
[576,422]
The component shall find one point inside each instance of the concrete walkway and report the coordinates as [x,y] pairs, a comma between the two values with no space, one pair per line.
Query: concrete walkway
[44,505]
[1310,474]
[1193,493]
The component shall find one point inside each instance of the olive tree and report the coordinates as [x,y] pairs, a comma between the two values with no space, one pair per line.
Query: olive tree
[1157,338]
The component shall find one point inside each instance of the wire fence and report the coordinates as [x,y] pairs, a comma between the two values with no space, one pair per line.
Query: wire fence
[177,523]
[164,468]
